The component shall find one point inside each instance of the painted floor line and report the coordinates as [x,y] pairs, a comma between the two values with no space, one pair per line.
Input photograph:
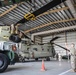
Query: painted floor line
[64,72]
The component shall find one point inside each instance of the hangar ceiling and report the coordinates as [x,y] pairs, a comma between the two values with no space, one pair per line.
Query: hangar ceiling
[60,16]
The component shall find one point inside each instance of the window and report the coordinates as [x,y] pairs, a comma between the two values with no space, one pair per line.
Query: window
[42,49]
[35,49]
[48,50]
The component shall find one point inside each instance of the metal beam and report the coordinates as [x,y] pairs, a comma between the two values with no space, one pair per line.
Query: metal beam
[56,10]
[10,9]
[53,11]
[48,24]
[53,31]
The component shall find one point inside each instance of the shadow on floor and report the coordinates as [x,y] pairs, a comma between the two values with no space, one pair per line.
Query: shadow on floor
[38,61]
[17,68]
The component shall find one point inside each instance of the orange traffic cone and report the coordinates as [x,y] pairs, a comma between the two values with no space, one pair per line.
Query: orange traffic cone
[43,67]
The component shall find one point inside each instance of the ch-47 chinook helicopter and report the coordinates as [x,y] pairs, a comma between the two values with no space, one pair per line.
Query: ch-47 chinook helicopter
[36,51]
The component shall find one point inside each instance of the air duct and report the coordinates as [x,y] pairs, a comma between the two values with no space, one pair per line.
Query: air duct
[53,31]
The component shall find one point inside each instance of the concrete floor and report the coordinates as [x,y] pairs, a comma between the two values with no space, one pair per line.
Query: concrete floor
[33,68]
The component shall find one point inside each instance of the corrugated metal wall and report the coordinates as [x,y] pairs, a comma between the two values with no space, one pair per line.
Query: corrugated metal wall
[67,37]
[71,38]
[46,39]
[38,39]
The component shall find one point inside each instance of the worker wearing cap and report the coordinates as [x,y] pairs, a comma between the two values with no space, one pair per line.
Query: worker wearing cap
[73,56]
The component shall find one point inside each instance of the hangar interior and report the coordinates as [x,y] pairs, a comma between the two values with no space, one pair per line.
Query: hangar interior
[59,20]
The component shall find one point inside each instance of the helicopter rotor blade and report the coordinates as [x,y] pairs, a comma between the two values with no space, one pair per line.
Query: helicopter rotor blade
[61,47]
[54,39]
[26,35]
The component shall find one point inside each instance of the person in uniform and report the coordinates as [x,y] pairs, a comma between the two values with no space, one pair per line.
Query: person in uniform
[57,57]
[73,56]
[60,57]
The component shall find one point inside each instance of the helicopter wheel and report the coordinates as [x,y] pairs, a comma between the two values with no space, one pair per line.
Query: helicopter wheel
[47,59]
[36,59]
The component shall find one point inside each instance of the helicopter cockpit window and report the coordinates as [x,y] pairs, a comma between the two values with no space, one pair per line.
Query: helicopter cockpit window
[35,49]
[27,49]
[48,50]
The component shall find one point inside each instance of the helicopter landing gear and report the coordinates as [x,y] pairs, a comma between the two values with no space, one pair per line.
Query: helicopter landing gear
[36,59]
[48,59]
